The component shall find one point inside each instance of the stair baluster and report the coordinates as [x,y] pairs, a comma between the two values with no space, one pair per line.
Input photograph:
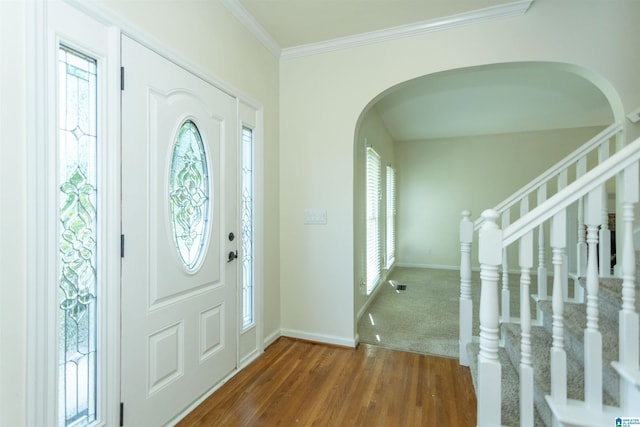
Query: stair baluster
[592,336]
[542,269]
[605,233]
[558,354]
[489,368]
[628,318]
[506,295]
[526,368]
[466,304]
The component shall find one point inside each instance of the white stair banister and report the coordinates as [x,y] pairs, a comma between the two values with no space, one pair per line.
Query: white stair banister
[526,368]
[558,235]
[506,295]
[629,359]
[581,250]
[604,233]
[489,369]
[592,336]
[466,304]
[542,269]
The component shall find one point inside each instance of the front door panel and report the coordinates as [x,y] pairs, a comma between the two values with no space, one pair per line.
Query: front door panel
[179,335]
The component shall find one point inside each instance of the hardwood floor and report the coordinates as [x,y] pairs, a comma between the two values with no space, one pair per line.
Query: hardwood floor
[300,383]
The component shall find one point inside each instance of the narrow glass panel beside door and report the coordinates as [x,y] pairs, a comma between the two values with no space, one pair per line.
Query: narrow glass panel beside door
[247,228]
[78,287]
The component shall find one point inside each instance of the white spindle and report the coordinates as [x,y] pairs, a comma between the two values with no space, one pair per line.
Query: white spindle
[526,369]
[466,305]
[489,370]
[506,294]
[604,246]
[558,234]
[581,250]
[628,318]
[592,336]
[542,269]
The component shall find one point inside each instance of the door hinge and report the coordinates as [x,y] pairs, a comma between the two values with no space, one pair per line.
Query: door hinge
[121,78]
[121,414]
[122,246]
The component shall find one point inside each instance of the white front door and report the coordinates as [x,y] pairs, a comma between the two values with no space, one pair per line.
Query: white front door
[179,332]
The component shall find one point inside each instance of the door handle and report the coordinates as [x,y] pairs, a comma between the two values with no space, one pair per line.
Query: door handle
[232,255]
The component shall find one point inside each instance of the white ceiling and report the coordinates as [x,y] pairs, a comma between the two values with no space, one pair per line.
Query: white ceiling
[487,100]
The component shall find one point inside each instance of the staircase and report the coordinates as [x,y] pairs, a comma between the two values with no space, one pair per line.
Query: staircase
[575,361]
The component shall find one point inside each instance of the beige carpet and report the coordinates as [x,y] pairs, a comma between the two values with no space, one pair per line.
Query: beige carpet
[424,318]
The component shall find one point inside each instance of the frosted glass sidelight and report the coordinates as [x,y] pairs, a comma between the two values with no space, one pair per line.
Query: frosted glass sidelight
[189,195]
[247,228]
[77,244]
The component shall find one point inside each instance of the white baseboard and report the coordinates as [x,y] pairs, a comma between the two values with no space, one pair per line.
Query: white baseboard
[327,339]
[268,340]
[434,266]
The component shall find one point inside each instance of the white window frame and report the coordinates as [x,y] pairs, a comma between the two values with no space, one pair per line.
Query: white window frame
[373,191]
[50,24]
[390,241]
[250,344]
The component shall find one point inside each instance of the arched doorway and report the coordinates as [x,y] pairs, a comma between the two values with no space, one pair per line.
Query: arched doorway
[452,138]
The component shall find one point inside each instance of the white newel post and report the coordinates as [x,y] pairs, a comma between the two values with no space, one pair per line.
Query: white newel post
[489,370]
[466,305]
[558,236]
[628,318]
[506,295]
[526,369]
[542,269]
[592,336]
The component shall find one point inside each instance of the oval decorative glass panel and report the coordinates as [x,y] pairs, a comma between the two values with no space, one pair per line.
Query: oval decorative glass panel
[189,196]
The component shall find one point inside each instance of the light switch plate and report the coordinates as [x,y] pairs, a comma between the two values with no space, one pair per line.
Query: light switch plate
[315,216]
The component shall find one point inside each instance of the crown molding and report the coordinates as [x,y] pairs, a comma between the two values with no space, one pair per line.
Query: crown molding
[242,14]
[515,8]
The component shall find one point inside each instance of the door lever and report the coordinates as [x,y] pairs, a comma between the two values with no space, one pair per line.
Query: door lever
[232,255]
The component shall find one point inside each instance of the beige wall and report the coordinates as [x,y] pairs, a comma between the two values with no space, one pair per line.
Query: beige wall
[203,33]
[438,179]
[322,97]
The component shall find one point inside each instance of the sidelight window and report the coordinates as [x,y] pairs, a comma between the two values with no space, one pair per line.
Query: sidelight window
[77,242]
[248,223]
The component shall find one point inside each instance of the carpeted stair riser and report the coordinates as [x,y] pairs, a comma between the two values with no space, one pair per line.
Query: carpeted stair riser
[510,386]
[574,325]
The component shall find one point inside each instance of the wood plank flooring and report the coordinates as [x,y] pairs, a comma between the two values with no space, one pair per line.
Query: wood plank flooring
[301,383]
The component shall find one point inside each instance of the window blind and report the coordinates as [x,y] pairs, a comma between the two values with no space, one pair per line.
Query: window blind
[373,261]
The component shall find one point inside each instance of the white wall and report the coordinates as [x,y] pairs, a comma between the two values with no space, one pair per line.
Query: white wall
[438,179]
[203,33]
[322,97]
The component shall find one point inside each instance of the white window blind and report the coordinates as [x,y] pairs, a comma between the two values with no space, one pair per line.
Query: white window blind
[373,262]
[391,217]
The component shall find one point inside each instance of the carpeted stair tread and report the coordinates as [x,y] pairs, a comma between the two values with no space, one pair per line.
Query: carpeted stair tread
[510,386]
